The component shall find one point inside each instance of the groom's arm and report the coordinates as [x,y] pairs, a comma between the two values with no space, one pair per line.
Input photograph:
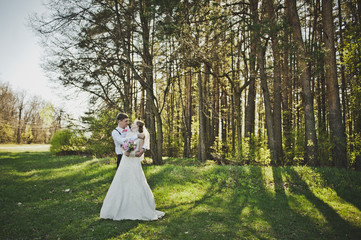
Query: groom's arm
[134,137]
[118,140]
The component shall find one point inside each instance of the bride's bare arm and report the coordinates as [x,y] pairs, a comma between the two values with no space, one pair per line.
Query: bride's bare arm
[141,143]
[140,149]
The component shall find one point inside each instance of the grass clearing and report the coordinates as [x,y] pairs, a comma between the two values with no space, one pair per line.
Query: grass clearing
[48,197]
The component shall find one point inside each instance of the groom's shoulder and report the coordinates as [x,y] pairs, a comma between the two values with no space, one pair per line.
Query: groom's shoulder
[115,130]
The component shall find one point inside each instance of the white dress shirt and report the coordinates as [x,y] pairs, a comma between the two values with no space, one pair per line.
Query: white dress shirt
[120,137]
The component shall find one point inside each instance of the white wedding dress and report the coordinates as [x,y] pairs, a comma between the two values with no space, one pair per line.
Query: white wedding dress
[129,196]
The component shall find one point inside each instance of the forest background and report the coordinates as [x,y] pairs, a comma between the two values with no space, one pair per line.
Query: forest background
[241,82]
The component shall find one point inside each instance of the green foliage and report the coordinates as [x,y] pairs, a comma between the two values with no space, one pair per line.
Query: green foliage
[47,114]
[218,148]
[27,135]
[38,119]
[101,125]
[256,151]
[65,142]
[324,149]
[299,151]
[354,147]
[352,63]
[6,133]
[174,145]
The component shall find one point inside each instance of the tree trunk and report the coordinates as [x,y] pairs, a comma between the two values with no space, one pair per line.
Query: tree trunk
[127,82]
[342,68]
[311,157]
[287,105]
[215,112]
[277,94]
[224,104]
[188,115]
[267,104]
[251,103]
[238,110]
[142,104]
[202,155]
[155,130]
[337,131]
[21,106]
[359,11]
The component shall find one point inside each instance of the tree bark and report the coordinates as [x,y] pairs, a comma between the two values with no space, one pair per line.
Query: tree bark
[267,104]
[277,93]
[224,112]
[202,155]
[21,107]
[251,103]
[188,115]
[311,157]
[342,68]
[337,131]
[156,132]
[287,105]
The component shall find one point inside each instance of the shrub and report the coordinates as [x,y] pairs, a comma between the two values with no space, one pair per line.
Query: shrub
[67,142]
[6,133]
[100,125]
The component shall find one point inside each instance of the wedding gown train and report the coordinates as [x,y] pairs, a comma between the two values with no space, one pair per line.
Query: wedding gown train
[129,195]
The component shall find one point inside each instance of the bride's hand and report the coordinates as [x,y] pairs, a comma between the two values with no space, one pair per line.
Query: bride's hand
[139,152]
[127,153]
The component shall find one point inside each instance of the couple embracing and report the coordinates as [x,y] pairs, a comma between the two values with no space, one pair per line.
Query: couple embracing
[129,195]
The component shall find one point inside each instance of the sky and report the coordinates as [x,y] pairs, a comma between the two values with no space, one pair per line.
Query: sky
[21,53]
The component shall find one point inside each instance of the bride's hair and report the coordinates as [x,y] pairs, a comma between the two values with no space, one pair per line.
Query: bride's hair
[140,125]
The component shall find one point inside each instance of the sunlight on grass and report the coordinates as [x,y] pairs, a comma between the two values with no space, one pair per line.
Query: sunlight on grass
[49,197]
[344,209]
[24,147]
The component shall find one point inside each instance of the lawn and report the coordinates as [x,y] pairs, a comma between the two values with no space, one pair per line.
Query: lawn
[48,197]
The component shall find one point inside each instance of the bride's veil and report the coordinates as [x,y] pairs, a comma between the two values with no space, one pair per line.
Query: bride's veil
[147,138]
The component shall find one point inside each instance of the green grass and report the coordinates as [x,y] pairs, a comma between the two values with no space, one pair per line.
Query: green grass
[24,147]
[48,197]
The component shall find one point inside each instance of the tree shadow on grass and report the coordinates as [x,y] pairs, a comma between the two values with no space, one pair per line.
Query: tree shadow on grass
[221,212]
[27,161]
[341,229]
[217,213]
[346,183]
[284,219]
[228,203]
[39,207]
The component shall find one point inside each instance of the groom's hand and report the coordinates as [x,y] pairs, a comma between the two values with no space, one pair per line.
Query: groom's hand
[141,135]
[139,152]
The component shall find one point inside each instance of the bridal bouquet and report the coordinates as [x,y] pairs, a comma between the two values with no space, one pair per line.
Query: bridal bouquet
[129,145]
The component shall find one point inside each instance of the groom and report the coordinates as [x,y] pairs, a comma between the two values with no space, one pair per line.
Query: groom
[119,135]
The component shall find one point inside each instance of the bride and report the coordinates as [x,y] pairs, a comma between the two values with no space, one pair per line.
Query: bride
[129,196]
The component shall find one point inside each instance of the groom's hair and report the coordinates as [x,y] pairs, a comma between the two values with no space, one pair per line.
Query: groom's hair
[122,116]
